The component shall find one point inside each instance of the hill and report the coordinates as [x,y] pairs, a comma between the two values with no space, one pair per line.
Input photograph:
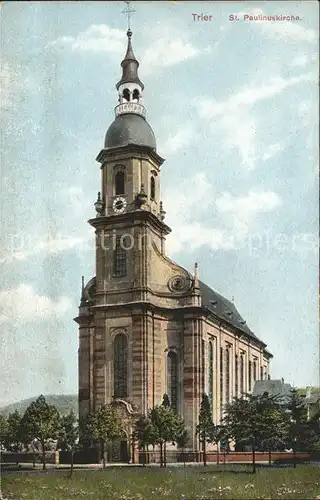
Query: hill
[63,402]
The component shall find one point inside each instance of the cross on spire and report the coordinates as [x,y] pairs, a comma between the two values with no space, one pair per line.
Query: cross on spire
[128,11]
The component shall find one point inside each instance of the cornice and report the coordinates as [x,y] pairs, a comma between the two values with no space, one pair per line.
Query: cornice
[132,151]
[136,215]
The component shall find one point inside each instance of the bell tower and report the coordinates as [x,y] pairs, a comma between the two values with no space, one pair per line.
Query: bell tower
[115,320]
[129,213]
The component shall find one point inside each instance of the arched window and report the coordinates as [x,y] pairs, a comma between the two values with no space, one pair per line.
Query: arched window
[254,370]
[119,258]
[152,188]
[250,375]
[172,363]
[210,374]
[221,380]
[126,95]
[241,375]
[119,182]
[236,375]
[227,382]
[120,366]
[135,95]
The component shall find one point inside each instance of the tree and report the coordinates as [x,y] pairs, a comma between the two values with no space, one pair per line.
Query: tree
[245,421]
[85,437]
[275,429]
[300,434]
[105,426]
[167,426]
[205,427]
[69,435]
[144,433]
[182,439]
[219,432]
[166,404]
[41,422]
[15,432]
[14,438]
[3,430]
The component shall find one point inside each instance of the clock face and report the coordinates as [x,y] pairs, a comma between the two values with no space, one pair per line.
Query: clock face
[119,204]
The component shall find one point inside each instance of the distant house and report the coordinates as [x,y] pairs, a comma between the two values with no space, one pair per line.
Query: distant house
[312,400]
[275,387]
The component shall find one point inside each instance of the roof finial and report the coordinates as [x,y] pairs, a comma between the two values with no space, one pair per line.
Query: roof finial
[196,276]
[128,11]
[83,300]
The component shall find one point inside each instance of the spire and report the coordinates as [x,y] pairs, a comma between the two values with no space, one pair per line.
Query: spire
[130,66]
[130,87]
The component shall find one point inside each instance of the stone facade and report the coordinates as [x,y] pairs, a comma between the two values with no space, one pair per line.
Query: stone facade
[170,331]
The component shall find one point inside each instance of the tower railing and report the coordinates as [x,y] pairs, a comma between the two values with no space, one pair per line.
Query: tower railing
[130,107]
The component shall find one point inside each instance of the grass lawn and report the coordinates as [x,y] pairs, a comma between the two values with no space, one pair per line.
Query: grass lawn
[188,483]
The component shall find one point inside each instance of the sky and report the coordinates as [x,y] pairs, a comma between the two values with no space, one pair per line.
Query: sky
[234,107]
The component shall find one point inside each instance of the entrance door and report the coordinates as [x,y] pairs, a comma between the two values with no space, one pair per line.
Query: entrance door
[124,455]
[120,452]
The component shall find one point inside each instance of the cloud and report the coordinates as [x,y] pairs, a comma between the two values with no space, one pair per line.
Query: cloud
[166,52]
[248,206]
[76,198]
[250,95]
[178,141]
[300,60]
[96,38]
[273,149]
[163,52]
[23,303]
[180,204]
[228,218]
[243,210]
[288,30]
[233,119]
[239,131]
[283,30]
[24,247]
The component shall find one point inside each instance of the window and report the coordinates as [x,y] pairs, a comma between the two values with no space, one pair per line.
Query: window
[241,374]
[120,366]
[254,370]
[152,188]
[119,258]
[119,183]
[227,382]
[172,366]
[250,375]
[135,95]
[210,374]
[261,372]
[236,375]
[221,379]
[126,95]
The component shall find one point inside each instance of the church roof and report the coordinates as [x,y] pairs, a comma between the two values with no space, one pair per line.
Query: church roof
[130,129]
[218,305]
[130,66]
[223,309]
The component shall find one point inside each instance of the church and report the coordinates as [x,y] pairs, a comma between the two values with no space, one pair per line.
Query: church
[147,326]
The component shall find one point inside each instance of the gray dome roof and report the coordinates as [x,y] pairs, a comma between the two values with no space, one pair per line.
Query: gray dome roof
[130,129]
